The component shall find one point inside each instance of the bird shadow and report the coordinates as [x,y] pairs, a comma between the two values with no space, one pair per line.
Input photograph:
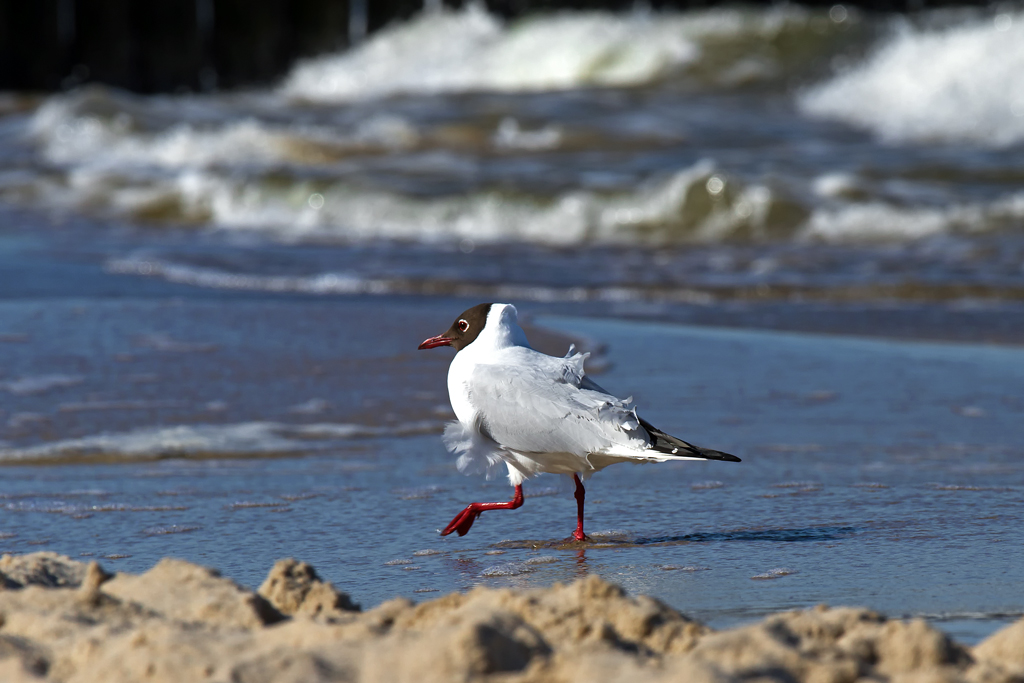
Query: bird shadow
[797,535]
[624,540]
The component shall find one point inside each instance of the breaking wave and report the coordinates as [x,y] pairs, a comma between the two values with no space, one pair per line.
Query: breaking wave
[373,169]
[955,83]
[694,204]
[99,128]
[255,175]
[881,221]
[473,50]
[178,176]
[208,441]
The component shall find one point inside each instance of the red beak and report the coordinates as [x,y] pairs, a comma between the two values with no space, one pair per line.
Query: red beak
[433,342]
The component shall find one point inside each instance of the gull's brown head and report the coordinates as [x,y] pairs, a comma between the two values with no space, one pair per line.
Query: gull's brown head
[463,331]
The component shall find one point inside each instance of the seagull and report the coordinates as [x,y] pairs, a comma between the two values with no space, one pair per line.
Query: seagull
[535,413]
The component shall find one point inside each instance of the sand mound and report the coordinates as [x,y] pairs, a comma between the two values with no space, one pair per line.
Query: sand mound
[62,620]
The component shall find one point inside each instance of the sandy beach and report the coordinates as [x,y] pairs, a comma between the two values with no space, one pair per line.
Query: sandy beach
[62,620]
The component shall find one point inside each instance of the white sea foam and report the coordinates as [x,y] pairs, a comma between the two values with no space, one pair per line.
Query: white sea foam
[959,83]
[170,529]
[97,128]
[185,174]
[773,574]
[470,49]
[247,438]
[688,568]
[349,283]
[136,157]
[507,569]
[324,283]
[39,384]
[511,135]
[882,221]
[684,206]
[311,407]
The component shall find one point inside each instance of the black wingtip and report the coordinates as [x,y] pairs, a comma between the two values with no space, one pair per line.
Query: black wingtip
[670,445]
[709,454]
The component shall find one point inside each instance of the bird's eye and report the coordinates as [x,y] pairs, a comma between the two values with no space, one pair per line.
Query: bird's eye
[463,325]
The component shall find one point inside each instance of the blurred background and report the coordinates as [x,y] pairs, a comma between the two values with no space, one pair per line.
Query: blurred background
[226,225]
[847,167]
[171,45]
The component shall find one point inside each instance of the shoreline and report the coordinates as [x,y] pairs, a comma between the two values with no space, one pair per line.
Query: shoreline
[549,333]
[63,620]
[867,466]
[78,276]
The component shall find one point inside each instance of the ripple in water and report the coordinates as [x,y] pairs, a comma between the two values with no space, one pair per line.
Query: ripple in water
[507,569]
[170,529]
[688,568]
[773,574]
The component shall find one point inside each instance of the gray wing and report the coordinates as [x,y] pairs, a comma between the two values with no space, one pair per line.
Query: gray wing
[544,404]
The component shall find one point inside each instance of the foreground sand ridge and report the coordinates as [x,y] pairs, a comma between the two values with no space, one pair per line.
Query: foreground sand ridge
[62,620]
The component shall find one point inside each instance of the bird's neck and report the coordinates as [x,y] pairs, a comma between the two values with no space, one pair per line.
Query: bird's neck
[502,330]
[496,339]
[508,335]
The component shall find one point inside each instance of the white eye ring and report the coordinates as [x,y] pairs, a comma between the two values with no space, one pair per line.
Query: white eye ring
[463,325]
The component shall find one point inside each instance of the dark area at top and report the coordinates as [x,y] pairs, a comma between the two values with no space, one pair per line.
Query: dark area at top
[195,45]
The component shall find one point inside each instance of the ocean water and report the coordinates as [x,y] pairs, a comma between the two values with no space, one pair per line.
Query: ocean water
[210,305]
[876,473]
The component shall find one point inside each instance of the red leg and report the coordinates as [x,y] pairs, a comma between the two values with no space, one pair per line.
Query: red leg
[580,494]
[464,520]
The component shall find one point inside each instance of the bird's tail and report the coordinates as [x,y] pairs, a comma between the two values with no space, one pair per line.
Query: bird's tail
[670,445]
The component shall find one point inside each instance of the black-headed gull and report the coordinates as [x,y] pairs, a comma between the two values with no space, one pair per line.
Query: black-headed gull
[536,413]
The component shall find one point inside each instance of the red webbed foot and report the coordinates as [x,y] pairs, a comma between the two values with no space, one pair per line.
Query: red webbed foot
[464,520]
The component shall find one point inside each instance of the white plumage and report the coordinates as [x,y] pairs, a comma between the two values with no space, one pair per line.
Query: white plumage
[533,412]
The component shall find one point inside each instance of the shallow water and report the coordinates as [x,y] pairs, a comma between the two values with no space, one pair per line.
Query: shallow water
[875,473]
